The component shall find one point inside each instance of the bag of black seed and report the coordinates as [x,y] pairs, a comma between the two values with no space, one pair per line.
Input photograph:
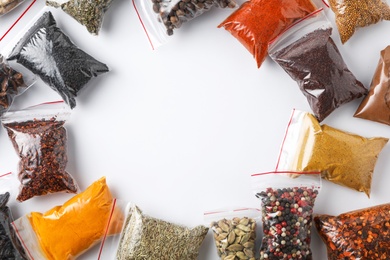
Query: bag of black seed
[40,140]
[287,202]
[49,53]
[309,55]
[234,232]
[7,6]
[161,17]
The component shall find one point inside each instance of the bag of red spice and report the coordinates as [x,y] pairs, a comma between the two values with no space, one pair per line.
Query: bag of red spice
[287,203]
[40,140]
[307,52]
[160,18]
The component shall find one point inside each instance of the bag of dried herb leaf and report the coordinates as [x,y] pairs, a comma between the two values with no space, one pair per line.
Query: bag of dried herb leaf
[359,234]
[161,17]
[40,140]
[46,51]
[343,158]
[234,232]
[307,52]
[287,203]
[89,13]
[7,6]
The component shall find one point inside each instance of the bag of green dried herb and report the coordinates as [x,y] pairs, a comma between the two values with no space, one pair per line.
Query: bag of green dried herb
[40,140]
[160,18]
[234,232]
[307,52]
[86,12]
[343,158]
[359,234]
[287,203]
[7,6]
[46,51]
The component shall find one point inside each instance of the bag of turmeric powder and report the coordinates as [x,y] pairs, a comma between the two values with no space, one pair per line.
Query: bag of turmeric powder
[78,224]
[343,158]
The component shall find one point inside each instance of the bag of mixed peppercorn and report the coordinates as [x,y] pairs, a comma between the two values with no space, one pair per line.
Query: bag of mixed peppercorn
[287,202]
[161,17]
[257,22]
[40,140]
[309,55]
[359,234]
[343,158]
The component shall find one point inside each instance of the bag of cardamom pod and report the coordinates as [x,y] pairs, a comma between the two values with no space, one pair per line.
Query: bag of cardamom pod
[287,203]
[160,18]
[343,158]
[234,232]
[7,6]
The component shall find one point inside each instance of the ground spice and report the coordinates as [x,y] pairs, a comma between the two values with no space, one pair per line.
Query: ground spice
[146,238]
[352,14]
[10,247]
[343,158]
[360,234]
[257,22]
[49,53]
[316,64]
[376,105]
[42,149]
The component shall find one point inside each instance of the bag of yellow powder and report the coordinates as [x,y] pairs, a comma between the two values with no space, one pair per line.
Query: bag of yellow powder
[66,231]
[343,158]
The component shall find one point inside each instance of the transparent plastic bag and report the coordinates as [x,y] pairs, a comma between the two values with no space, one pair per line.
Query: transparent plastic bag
[67,231]
[287,202]
[46,51]
[309,55]
[40,140]
[89,13]
[376,105]
[234,232]
[343,158]
[7,6]
[359,234]
[257,22]
[161,17]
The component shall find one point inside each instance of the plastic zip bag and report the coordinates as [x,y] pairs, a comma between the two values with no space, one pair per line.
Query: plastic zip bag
[234,232]
[287,202]
[40,140]
[7,6]
[343,158]
[160,18]
[307,52]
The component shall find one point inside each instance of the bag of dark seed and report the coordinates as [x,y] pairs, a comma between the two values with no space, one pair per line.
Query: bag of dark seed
[309,55]
[46,51]
[88,13]
[234,232]
[359,234]
[287,202]
[160,18]
[7,6]
[40,140]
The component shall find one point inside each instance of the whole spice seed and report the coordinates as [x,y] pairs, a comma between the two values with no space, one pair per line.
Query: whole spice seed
[376,105]
[352,14]
[174,14]
[145,238]
[257,22]
[360,234]
[316,64]
[42,149]
[7,5]
[10,247]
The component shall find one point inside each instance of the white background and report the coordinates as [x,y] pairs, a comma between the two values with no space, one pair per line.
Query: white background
[179,130]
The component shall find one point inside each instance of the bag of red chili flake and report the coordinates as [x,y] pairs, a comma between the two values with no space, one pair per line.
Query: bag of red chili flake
[359,234]
[40,140]
[287,202]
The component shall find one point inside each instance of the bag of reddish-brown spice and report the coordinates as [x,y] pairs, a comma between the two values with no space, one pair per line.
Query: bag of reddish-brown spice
[160,18]
[359,234]
[257,22]
[287,204]
[40,140]
[307,52]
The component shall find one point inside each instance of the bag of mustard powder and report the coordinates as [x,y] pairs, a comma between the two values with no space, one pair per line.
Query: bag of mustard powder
[343,158]
[66,231]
